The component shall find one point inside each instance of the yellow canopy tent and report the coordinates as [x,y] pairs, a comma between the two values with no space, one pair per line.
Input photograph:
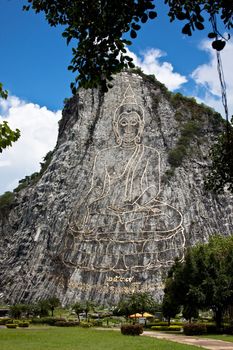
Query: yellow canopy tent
[145,314]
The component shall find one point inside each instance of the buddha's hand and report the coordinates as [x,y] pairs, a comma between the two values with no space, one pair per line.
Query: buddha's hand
[152,210]
[149,210]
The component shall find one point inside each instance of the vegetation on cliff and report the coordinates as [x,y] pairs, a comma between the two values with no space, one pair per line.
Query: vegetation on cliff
[8,198]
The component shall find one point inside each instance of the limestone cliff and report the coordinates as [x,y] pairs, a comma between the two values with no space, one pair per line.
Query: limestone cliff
[122,197]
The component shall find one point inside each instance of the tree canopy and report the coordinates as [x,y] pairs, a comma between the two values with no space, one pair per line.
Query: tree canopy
[99,28]
[136,303]
[204,280]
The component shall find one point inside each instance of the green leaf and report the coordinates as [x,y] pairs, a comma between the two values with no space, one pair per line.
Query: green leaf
[144,18]
[136,26]
[152,14]
[199,25]
[187,29]
[131,65]
[181,16]
[212,35]
[133,34]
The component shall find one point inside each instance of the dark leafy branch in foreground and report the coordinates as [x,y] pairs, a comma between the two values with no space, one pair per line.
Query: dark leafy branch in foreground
[193,14]
[7,135]
[3,93]
[99,28]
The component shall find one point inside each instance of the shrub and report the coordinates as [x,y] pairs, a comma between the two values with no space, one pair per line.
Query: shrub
[97,323]
[131,329]
[176,155]
[84,324]
[165,323]
[177,323]
[172,328]
[5,320]
[194,328]
[211,328]
[11,325]
[190,129]
[160,323]
[66,323]
[228,329]
[23,324]
[47,320]
[6,199]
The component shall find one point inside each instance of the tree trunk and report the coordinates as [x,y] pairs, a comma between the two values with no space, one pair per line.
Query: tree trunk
[218,318]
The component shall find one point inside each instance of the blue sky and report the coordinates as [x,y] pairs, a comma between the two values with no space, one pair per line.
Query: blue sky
[33,68]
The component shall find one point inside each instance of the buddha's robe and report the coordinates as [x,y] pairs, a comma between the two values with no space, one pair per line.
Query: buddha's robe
[124,194]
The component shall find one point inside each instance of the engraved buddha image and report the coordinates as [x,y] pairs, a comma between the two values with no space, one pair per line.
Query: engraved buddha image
[122,225]
[126,181]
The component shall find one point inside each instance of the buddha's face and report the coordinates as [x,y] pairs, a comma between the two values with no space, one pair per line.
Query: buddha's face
[129,126]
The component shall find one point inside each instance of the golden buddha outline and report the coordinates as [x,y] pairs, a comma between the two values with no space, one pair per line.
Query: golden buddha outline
[122,207]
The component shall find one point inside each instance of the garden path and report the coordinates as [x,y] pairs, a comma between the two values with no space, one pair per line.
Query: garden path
[211,344]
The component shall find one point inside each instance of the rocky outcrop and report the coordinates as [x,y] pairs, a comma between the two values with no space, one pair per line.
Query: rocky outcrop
[122,197]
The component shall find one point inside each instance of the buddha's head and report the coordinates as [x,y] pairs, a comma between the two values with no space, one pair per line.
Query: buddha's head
[128,121]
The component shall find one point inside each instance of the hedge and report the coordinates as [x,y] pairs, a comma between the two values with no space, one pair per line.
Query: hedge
[47,320]
[173,328]
[23,324]
[84,324]
[66,323]
[194,328]
[5,320]
[11,325]
[131,329]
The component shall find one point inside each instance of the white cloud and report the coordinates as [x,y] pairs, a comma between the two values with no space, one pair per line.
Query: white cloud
[149,62]
[39,128]
[207,80]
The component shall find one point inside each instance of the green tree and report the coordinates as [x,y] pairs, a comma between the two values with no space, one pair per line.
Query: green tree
[42,308]
[136,303]
[170,305]
[88,306]
[98,27]
[53,302]
[218,282]
[78,309]
[141,302]
[190,307]
[204,280]
[17,310]
[123,308]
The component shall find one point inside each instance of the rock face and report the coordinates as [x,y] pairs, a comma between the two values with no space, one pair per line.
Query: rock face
[122,197]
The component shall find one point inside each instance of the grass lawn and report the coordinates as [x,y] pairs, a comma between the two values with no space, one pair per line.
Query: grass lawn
[58,338]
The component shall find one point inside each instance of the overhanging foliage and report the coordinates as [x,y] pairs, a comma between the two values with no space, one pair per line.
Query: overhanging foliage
[99,28]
